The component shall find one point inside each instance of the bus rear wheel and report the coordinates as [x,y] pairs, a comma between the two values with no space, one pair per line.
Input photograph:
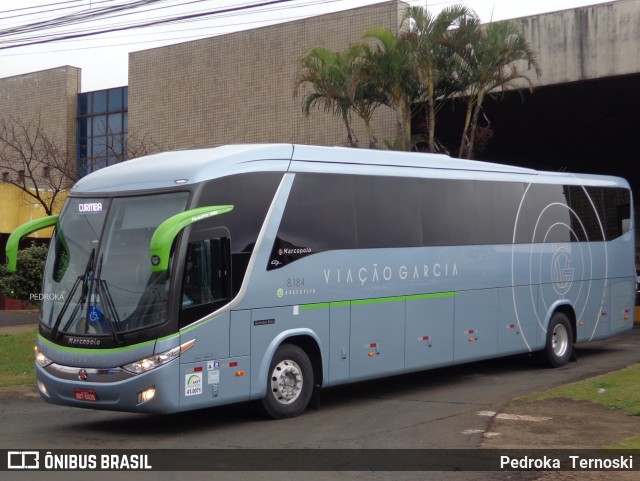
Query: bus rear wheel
[290,383]
[559,344]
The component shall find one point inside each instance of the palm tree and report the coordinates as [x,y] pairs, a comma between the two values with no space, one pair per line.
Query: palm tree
[366,93]
[389,66]
[431,37]
[492,58]
[329,75]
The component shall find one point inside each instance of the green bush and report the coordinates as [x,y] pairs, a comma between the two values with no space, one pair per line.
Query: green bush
[27,279]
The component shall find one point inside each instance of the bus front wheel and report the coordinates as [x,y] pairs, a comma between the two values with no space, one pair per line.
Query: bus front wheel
[290,383]
[559,344]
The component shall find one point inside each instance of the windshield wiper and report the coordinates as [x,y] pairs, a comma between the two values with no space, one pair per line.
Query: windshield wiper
[107,302]
[84,278]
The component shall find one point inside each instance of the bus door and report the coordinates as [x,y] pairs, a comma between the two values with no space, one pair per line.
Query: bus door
[205,287]
[206,279]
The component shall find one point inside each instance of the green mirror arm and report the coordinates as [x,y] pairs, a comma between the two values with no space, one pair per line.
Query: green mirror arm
[162,239]
[25,229]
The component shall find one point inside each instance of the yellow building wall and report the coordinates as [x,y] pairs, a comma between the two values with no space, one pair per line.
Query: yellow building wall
[17,207]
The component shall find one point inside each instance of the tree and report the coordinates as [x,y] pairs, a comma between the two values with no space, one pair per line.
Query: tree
[35,162]
[491,58]
[390,65]
[119,148]
[432,38]
[341,85]
[365,93]
[434,59]
[26,281]
[330,76]
[135,146]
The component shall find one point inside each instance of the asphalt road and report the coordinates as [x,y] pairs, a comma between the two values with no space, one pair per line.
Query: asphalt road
[18,318]
[432,409]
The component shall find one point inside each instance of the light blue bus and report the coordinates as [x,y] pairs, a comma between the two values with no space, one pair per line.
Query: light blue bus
[198,278]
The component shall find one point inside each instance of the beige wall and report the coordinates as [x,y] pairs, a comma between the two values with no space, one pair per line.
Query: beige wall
[591,42]
[239,87]
[49,96]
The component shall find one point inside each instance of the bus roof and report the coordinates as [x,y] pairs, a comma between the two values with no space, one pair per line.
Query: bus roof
[170,169]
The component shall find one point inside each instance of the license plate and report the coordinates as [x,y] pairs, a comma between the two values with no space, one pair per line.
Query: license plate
[85,395]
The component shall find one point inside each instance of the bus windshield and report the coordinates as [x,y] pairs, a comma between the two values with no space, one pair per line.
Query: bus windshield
[98,279]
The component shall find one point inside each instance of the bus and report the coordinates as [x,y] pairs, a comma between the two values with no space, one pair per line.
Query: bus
[198,278]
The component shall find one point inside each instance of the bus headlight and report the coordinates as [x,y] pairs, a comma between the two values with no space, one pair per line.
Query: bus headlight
[149,363]
[41,359]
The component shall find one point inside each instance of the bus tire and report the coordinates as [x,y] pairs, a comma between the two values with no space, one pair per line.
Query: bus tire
[290,383]
[559,344]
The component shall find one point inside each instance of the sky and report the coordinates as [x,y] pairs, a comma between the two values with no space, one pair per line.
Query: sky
[104,58]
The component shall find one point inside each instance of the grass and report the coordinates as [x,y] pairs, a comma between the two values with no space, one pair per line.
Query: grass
[16,359]
[619,390]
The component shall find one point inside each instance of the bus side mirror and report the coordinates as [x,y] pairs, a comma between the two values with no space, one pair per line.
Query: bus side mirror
[24,230]
[162,239]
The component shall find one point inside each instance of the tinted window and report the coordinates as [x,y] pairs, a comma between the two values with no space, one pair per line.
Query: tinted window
[83,104]
[101,114]
[497,212]
[586,224]
[547,213]
[115,99]
[467,212]
[331,211]
[99,101]
[616,207]
[387,212]
[319,216]
[251,196]
[115,123]
[448,212]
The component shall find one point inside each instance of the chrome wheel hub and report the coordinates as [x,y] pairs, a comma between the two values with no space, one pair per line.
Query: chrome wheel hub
[560,340]
[286,382]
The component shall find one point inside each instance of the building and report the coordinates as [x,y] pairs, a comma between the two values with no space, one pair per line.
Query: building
[38,102]
[239,88]
[231,88]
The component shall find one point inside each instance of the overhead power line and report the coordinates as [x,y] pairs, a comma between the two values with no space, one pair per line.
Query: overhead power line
[40,9]
[90,22]
[193,32]
[77,17]
[142,24]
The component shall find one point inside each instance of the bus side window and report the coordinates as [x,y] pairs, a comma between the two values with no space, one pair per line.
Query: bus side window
[206,283]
